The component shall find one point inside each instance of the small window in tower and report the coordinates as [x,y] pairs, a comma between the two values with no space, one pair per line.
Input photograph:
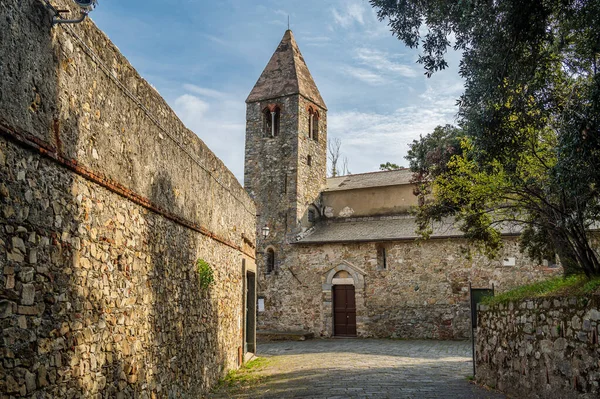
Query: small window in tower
[315,127]
[276,120]
[381,258]
[267,122]
[271,118]
[309,160]
[310,122]
[311,216]
[270,261]
[313,124]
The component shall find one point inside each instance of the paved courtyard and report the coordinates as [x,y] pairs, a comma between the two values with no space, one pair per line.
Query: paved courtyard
[357,368]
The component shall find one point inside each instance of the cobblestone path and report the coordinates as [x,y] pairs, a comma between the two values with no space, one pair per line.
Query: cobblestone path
[357,368]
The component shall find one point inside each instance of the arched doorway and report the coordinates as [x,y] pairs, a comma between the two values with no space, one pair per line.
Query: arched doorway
[344,305]
[343,300]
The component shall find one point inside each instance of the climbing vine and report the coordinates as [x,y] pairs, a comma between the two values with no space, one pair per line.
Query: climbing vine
[205,274]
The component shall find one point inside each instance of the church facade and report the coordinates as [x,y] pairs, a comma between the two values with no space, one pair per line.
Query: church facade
[341,257]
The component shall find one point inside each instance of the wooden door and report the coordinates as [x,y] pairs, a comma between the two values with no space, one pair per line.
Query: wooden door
[344,311]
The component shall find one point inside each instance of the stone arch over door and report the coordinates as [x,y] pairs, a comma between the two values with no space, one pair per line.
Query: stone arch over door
[357,278]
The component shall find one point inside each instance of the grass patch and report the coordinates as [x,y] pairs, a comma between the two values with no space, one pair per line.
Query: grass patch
[245,376]
[577,285]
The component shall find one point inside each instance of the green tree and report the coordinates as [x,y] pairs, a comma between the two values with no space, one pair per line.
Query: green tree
[428,158]
[530,115]
[389,166]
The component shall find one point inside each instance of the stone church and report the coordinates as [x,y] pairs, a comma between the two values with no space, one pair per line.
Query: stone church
[339,256]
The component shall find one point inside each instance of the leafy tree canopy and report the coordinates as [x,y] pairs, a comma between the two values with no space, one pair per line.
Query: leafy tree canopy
[530,117]
[389,166]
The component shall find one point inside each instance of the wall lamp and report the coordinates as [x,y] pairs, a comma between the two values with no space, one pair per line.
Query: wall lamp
[85,7]
[265,231]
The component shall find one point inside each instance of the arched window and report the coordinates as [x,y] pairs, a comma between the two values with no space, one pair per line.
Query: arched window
[270,261]
[309,160]
[313,124]
[271,117]
[382,260]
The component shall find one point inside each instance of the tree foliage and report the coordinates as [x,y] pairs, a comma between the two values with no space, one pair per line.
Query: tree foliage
[389,166]
[530,115]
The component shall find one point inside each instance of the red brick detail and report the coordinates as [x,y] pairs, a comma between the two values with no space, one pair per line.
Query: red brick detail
[272,107]
[33,143]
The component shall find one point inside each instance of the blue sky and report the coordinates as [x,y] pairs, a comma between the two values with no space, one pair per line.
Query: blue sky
[204,57]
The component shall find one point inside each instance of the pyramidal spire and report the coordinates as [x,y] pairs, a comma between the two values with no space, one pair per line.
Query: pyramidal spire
[286,74]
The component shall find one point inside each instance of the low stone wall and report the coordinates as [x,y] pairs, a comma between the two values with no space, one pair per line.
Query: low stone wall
[106,203]
[543,348]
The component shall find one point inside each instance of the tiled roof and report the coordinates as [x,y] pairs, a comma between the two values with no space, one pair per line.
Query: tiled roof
[286,74]
[385,228]
[366,180]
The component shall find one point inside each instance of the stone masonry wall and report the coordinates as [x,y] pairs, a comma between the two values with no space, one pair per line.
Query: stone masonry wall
[542,348]
[106,203]
[278,177]
[422,294]
[270,173]
[311,179]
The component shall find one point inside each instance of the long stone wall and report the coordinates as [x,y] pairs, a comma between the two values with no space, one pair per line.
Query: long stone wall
[423,293]
[542,348]
[106,203]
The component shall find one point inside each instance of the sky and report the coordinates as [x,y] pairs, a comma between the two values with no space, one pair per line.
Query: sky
[204,57]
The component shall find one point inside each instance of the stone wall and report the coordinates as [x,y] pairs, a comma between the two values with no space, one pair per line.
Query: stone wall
[106,203]
[423,293]
[311,178]
[278,177]
[542,348]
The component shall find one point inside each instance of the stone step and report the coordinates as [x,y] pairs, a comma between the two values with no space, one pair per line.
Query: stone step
[274,335]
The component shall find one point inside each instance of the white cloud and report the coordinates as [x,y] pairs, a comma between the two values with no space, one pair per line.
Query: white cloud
[365,75]
[372,138]
[217,40]
[204,91]
[381,61]
[316,41]
[378,68]
[189,106]
[218,118]
[353,12]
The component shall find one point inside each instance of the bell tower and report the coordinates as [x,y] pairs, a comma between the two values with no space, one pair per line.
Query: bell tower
[286,152]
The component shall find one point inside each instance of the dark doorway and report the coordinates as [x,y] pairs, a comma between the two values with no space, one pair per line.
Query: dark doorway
[344,311]
[250,344]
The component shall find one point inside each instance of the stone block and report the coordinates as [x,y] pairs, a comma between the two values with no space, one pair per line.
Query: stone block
[15,255]
[12,386]
[30,381]
[26,274]
[28,294]
[29,310]
[593,314]
[6,309]
[18,243]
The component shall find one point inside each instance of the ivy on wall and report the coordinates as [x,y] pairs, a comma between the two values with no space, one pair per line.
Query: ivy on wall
[205,274]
